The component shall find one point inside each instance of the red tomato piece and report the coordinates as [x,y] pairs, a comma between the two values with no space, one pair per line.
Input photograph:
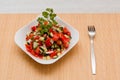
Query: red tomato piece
[60,35]
[47,42]
[33,28]
[55,37]
[68,33]
[27,38]
[53,54]
[50,30]
[36,37]
[28,48]
[31,35]
[66,45]
[64,39]
[40,43]
[37,50]
[32,52]
[59,42]
[65,30]
[31,45]
[40,56]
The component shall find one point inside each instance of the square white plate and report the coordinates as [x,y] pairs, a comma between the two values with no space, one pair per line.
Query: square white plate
[21,35]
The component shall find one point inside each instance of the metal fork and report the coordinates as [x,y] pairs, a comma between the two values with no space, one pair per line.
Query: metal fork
[91,32]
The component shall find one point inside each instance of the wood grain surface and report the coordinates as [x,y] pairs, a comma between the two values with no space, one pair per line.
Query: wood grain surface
[76,65]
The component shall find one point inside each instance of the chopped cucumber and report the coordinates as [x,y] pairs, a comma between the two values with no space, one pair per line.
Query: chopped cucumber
[49,52]
[58,49]
[36,40]
[66,36]
[29,41]
[54,57]
[51,41]
[56,46]
[38,33]
[54,28]
[58,54]
[35,45]
[34,33]
[59,30]
[48,57]
[43,48]
[42,38]
[52,46]
[51,34]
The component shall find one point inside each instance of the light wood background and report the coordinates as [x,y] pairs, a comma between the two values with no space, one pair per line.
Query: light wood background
[76,65]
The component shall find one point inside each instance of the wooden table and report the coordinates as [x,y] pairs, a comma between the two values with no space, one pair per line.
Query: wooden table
[76,65]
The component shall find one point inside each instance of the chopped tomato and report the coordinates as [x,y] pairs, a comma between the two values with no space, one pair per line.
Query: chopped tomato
[68,33]
[40,43]
[59,42]
[31,45]
[27,38]
[65,30]
[50,30]
[40,56]
[33,53]
[66,45]
[31,35]
[60,35]
[64,39]
[53,54]
[37,50]
[55,37]
[36,37]
[28,48]
[33,28]
[47,42]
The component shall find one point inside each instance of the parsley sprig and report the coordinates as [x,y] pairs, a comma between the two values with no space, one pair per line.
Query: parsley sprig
[49,16]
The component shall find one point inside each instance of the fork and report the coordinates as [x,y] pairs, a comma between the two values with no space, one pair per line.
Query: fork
[91,32]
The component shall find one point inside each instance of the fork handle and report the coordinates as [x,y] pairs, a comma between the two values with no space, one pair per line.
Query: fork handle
[93,57]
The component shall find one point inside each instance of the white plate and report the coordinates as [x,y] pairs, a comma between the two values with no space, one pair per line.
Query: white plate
[21,35]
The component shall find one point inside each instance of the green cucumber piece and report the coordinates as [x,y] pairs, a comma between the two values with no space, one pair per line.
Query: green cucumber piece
[42,38]
[35,45]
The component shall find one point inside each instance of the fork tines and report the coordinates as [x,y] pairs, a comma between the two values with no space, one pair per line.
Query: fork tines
[91,28]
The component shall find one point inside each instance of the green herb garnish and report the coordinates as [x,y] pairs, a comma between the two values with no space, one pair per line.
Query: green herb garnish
[48,16]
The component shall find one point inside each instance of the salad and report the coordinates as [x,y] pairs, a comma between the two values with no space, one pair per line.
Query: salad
[48,39]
